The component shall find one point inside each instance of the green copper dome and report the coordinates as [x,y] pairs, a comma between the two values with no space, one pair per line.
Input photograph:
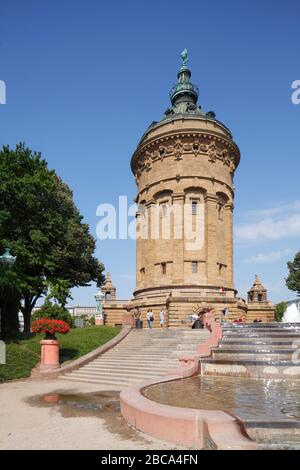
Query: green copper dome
[184,96]
[184,89]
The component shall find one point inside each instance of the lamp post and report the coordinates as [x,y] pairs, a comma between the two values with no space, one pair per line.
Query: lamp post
[99,318]
[6,260]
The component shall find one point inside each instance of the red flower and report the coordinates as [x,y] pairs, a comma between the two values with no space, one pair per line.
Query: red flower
[47,325]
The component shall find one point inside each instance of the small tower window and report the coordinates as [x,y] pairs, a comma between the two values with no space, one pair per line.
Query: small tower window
[220,211]
[259,297]
[164,268]
[194,207]
[142,271]
[164,209]
[194,266]
[221,269]
[107,295]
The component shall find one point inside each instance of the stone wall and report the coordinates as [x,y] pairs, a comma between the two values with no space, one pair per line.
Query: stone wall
[185,161]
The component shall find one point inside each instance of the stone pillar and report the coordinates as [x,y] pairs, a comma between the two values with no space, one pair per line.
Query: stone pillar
[211,239]
[228,212]
[178,244]
[152,232]
[139,249]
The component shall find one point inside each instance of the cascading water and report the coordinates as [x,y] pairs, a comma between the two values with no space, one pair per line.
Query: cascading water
[292,313]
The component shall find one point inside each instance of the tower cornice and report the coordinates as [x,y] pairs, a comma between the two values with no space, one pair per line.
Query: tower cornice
[178,142]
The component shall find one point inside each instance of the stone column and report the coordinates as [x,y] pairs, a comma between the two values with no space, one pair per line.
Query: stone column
[139,248]
[177,229]
[228,212]
[149,246]
[211,239]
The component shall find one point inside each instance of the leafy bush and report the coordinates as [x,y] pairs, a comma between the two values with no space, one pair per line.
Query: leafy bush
[88,321]
[279,310]
[55,312]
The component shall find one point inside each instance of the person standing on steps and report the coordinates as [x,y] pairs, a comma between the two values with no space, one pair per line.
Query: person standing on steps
[162,318]
[150,318]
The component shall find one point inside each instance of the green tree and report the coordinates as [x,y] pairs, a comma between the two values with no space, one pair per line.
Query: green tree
[44,229]
[279,310]
[9,302]
[293,279]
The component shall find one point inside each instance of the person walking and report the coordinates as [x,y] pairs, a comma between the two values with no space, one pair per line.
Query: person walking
[150,318]
[162,318]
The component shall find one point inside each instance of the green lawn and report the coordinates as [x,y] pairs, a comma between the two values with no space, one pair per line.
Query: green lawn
[23,352]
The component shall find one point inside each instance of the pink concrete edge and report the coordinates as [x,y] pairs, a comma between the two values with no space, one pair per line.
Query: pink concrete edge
[182,426]
[83,360]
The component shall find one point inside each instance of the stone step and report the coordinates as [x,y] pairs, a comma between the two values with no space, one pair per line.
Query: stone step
[253,351]
[257,325]
[104,369]
[283,369]
[285,362]
[262,336]
[136,357]
[154,352]
[117,373]
[109,382]
[259,330]
[258,340]
[257,347]
[152,347]
[252,355]
[142,355]
[133,362]
[138,365]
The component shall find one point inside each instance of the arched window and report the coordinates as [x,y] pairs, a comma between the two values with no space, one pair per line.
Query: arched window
[107,295]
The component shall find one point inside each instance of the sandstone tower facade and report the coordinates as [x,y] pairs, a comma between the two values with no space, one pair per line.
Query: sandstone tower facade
[184,167]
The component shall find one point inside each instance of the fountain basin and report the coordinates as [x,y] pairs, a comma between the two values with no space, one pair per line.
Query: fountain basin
[268,410]
[189,427]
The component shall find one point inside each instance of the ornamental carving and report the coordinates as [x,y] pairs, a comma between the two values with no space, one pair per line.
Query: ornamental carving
[203,147]
[178,150]
[224,154]
[148,161]
[212,152]
[231,165]
[196,147]
[170,149]
[161,151]
[212,147]
[187,147]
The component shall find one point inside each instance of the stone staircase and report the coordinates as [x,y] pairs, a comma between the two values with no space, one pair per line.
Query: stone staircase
[142,355]
[256,350]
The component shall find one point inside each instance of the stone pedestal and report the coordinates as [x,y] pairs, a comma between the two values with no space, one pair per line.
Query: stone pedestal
[99,321]
[49,354]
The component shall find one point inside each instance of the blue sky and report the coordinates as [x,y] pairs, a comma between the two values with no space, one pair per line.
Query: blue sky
[85,79]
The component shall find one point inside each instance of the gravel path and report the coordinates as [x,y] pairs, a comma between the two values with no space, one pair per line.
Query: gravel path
[28,422]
